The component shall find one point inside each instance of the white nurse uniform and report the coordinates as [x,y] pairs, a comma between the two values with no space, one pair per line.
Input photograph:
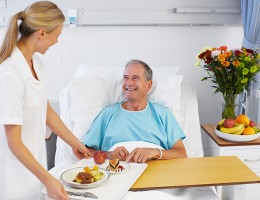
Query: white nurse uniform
[22,102]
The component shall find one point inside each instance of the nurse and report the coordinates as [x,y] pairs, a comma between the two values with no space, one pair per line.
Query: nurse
[24,109]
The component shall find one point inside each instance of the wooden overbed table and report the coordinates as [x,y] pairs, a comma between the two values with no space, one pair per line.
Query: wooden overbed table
[227,171]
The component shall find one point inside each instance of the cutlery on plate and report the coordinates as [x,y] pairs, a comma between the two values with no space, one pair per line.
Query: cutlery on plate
[82,194]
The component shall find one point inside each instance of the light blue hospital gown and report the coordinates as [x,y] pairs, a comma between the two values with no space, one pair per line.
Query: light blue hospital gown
[154,124]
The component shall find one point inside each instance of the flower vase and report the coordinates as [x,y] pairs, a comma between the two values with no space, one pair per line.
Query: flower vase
[229,106]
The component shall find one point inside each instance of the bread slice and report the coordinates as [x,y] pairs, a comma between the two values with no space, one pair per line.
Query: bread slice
[113,164]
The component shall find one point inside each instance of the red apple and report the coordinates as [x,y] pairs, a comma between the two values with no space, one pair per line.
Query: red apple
[252,123]
[229,123]
[100,157]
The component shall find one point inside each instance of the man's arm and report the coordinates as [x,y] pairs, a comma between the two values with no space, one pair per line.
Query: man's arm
[141,155]
[177,151]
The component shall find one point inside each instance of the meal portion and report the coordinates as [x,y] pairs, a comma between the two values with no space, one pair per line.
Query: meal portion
[89,175]
[114,165]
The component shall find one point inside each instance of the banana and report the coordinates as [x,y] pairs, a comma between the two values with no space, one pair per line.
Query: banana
[221,122]
[232,130]
[239,132]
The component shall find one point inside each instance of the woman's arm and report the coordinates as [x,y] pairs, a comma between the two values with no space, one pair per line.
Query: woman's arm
[58,127]
[13,135]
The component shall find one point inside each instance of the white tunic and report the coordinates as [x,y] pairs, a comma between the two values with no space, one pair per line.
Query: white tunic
[22,102]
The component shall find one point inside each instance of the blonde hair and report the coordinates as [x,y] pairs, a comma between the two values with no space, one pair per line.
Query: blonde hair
[42,14]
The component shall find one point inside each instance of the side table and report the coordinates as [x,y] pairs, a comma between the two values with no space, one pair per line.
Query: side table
[248,152]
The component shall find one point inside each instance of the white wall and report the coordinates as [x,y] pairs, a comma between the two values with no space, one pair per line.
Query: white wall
[136,12]
[156,45]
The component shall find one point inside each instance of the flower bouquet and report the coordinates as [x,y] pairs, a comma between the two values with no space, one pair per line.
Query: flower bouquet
[230,71]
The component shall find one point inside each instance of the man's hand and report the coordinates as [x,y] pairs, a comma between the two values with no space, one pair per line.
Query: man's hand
[120,153]
[141,155]
[81,152]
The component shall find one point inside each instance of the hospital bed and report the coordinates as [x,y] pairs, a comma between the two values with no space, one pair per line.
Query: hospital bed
[94,88]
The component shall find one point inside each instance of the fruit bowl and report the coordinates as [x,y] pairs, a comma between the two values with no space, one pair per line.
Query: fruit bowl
[237,138]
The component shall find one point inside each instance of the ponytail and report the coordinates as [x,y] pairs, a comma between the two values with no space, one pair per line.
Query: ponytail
[10,38]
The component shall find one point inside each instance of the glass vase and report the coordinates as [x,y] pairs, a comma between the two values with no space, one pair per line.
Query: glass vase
[229,106]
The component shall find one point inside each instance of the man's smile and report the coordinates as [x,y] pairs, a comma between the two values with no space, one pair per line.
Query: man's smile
[130,89]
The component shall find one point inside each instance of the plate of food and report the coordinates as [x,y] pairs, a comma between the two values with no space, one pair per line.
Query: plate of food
[116,166]
[85,177]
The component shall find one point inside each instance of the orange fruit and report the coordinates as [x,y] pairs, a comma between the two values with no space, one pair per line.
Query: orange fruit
[243,119]
[87,169]
[248,131]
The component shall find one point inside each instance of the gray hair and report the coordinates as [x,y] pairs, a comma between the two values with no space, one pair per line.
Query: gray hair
[148,71]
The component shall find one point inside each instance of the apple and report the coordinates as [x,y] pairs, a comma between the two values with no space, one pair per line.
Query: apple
[229,123]
[100,157]
[252,123]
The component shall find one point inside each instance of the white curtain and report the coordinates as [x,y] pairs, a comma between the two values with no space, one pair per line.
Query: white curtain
[250,10]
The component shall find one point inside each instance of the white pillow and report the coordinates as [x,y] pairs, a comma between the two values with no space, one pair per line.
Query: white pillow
[167,92]
[86,71]
[88,98]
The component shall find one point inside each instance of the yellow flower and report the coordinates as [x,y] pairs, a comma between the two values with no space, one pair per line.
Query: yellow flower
[253,69]
[242,65]
[206,48]
[245,80]
[221,57]
[245,71]
[247,59]
[197,63]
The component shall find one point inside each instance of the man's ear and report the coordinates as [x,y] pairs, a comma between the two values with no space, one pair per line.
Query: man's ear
[150,83]
[41,33]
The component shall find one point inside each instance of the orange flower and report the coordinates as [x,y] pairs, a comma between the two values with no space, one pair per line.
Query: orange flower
[221,57]
[236,63]
[223,48]
[225,63]
[228,54]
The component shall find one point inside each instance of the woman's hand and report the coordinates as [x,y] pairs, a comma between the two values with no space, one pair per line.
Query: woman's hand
[81,151]
[120,153]
[55,189]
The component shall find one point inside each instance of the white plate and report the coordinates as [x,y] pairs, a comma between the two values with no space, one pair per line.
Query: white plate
[237,138]
[125,166]
[69,175]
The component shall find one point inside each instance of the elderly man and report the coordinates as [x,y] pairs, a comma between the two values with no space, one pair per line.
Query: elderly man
[137,119]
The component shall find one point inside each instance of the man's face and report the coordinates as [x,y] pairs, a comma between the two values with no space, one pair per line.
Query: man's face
[135,86]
